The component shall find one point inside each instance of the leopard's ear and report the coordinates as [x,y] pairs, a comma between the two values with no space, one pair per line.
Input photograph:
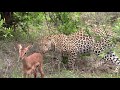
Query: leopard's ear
[53,44]
[52,40]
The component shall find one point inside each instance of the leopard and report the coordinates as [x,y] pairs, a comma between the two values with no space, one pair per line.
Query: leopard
[72,45]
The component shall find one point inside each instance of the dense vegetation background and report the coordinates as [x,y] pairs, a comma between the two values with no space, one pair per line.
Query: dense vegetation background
[28,27]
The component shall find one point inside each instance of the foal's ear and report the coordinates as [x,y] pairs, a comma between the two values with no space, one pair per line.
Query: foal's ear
[19,46]
[29,46]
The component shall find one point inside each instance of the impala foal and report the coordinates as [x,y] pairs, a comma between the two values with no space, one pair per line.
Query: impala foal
[31,63]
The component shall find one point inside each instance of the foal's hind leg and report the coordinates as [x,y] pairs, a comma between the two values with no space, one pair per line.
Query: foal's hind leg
[41,70]
[35,73]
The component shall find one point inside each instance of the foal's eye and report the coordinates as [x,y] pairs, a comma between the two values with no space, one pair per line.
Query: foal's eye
[25,53]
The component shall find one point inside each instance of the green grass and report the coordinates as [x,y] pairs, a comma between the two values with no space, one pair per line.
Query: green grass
[63,74]
[16,74]
[76,74]
[70,74]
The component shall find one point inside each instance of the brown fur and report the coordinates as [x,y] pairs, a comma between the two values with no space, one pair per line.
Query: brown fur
[31,62]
